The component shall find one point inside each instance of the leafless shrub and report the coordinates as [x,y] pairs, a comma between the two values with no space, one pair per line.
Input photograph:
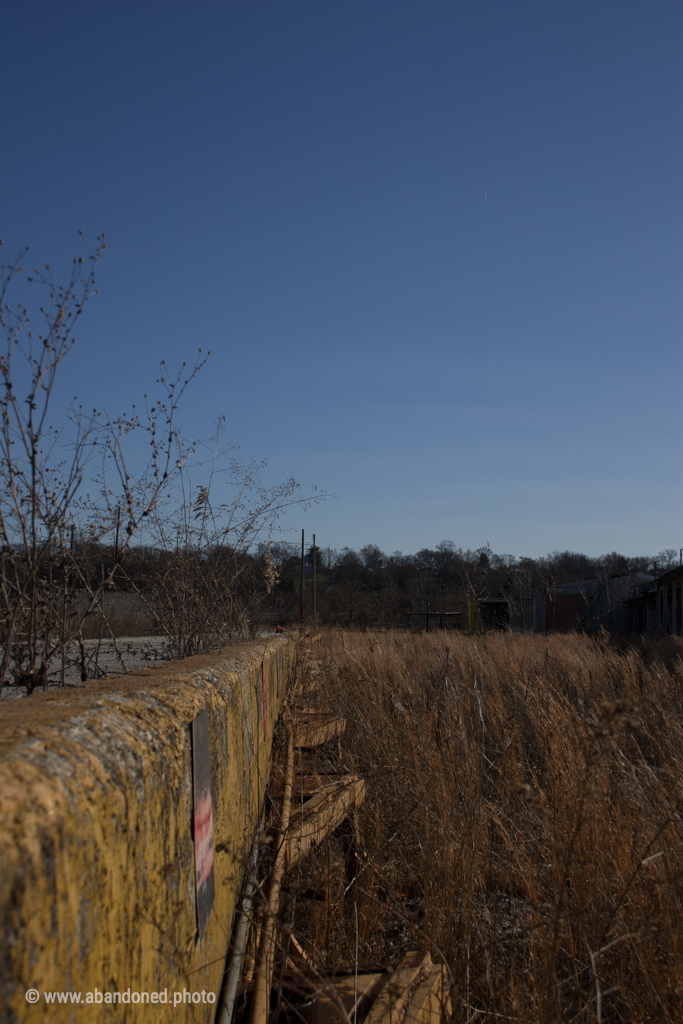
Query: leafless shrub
[68,493]
[206,588]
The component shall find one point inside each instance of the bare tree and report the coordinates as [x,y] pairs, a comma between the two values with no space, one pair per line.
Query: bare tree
[40,475]
[43,505]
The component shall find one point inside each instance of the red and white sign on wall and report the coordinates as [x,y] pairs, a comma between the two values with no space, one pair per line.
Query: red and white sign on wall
[203,821]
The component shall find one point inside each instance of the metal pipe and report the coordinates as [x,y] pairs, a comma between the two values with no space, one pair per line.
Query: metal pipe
[260,997]
[226,1006]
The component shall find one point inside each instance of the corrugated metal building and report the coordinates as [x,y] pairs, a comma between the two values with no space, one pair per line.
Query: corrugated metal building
[590,604]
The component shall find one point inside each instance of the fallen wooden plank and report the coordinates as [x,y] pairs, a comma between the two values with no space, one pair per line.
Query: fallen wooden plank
[297,956]
[313,729]
[324,794]
[392,1003]
[430,1003]
[306,784]
[336,1000]
[320,816]
[353,993]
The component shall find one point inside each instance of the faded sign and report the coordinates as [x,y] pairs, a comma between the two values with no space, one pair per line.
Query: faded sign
[203,821]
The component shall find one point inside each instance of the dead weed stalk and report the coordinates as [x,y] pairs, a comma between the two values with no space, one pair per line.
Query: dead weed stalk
[522,820]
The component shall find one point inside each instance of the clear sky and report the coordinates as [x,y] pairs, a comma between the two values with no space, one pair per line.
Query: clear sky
[434,247]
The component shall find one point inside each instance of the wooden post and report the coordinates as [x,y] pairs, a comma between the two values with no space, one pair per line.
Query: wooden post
[260,999]
[315,582]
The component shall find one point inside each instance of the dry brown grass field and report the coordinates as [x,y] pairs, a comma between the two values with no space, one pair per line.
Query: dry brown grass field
[523,819]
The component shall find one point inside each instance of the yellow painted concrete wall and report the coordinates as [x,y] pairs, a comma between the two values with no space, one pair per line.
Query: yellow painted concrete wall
[96,851]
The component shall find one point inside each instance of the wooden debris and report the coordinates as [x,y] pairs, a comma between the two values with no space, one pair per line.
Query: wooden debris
[320,816]
[306,784]
[416,992]
[430,1003]
[313,729]
[297,956]
[392,1003]
[356,995]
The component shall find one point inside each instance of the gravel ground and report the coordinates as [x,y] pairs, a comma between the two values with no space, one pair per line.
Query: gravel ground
[133,652]
[104,659]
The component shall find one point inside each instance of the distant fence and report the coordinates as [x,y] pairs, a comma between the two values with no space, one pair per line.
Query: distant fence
[435,620]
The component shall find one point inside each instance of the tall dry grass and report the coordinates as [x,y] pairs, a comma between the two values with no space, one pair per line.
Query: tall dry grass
[522,820]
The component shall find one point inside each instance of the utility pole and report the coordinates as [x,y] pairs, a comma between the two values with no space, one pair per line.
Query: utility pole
[116,535]
[301,605]
[315,583]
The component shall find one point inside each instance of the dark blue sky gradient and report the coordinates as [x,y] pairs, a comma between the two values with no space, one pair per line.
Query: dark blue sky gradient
[435,248]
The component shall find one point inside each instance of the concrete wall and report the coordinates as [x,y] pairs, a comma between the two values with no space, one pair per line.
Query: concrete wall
[97,884]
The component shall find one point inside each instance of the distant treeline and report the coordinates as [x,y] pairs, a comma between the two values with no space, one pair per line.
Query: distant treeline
[201,596]
[369,587]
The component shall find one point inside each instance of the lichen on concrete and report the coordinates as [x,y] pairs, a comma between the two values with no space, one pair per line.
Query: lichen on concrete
[96,849]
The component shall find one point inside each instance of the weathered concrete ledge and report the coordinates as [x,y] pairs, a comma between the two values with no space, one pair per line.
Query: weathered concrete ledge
[97,883]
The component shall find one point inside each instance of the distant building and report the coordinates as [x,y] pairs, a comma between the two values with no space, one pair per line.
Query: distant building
[635,603]
[589,605]
[502,612]
[657,609]
[419,621]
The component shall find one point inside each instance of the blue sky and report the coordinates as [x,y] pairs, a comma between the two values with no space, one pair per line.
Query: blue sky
[434,247]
